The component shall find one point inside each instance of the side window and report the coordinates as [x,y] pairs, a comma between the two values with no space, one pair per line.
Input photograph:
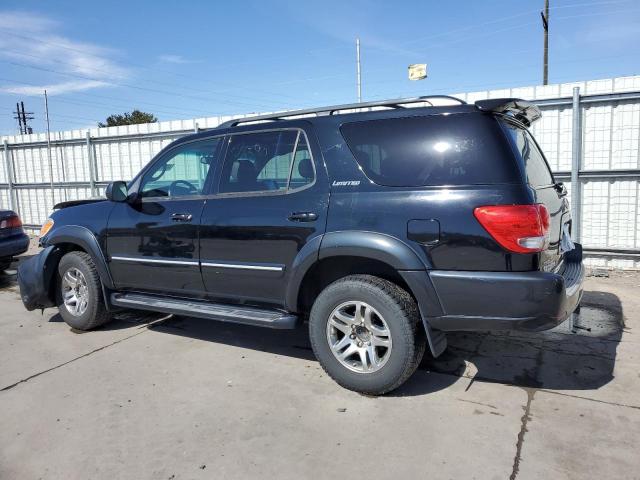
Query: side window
[536,168]
[457,149]
[182,171]
[263,162]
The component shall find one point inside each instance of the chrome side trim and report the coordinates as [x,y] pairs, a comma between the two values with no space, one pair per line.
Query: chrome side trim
[268,268]
[155,260]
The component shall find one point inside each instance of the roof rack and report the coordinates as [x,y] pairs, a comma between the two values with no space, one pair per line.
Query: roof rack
[395,103]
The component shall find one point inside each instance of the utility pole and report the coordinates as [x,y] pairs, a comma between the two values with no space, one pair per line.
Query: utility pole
[359,84]
[23,118]
[46,111]
[545,25]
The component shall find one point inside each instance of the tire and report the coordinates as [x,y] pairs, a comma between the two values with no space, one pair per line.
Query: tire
[4,264]
[393,315]
[88,311]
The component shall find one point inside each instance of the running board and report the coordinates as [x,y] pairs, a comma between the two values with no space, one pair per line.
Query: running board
[213,311]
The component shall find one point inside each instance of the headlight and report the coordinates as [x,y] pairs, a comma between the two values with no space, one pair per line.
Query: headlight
[48,225]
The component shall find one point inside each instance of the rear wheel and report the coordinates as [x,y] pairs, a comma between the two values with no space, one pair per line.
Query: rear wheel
[79,292]
[366,333]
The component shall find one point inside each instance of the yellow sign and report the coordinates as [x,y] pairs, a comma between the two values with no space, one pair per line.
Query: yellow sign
[418,71]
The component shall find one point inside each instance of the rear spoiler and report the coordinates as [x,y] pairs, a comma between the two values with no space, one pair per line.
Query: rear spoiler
[522,110]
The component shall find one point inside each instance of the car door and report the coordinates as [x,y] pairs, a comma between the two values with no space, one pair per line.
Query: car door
[152,242]
[271,200]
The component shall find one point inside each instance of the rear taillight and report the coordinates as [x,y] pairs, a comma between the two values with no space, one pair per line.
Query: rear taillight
[11,222]
[517,228]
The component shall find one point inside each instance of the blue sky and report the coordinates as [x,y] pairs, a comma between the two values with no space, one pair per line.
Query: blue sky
[199,58]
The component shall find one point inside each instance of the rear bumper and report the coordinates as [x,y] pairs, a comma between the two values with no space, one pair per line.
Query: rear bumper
[14,245]
[530,301]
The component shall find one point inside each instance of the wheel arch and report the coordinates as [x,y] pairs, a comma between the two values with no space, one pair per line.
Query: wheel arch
[338,254]
[75,237]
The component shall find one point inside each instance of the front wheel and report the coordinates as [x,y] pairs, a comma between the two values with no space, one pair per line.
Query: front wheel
[366,333]
[79,292]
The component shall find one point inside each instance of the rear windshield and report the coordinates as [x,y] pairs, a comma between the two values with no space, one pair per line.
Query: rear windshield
[458,149]
[536,168]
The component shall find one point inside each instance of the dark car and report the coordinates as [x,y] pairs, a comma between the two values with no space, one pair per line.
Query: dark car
[385,227]
[13,240]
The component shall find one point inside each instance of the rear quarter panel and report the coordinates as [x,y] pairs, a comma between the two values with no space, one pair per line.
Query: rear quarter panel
[462,243]
[357,203]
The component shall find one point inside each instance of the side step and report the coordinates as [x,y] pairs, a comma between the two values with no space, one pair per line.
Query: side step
[213,311]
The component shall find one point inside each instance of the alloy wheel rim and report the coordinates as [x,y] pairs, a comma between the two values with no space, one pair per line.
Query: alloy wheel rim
[75,292]
[359,337]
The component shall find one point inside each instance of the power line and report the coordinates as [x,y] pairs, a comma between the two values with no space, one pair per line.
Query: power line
[123,101]
[190,77]
[109,75]
[504,19]
[126,85]
[112,105]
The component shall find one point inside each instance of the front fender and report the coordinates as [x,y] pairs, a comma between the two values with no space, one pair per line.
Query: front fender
[85,239]
[35,276]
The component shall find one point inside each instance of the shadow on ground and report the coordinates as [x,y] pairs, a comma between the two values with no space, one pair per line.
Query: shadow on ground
[565,358]
[555,359]
[8,278]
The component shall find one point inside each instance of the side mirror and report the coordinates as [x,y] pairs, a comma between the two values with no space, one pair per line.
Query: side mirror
[117,192]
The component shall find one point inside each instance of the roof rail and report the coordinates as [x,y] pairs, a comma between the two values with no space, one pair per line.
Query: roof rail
[395,103]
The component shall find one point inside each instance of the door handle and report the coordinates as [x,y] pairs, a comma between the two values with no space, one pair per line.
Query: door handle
[303,217]
[181,217]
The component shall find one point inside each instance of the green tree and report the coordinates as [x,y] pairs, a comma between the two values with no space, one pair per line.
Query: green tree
[127,118]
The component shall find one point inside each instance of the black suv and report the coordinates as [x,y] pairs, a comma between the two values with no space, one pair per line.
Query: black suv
[385,224]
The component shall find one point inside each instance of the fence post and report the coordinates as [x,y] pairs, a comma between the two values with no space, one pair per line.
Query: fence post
[10,177]
[92,173]
[576,154]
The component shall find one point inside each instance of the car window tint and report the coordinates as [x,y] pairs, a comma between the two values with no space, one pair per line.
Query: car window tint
[458,149]
[536,168]
[257,162]
[182,171]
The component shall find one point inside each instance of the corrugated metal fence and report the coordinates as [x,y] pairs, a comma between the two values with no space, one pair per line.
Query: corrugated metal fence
[589,131]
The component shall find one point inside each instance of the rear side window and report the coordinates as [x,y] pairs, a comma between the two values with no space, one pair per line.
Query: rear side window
[459,149]
[536,168]
[272,161]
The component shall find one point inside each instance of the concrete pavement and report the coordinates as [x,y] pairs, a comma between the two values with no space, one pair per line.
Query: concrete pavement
[152,396]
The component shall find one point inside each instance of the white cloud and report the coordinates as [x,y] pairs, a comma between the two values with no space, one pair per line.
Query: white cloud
[177,59]
[26,22]
[30,39]
[53,89]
